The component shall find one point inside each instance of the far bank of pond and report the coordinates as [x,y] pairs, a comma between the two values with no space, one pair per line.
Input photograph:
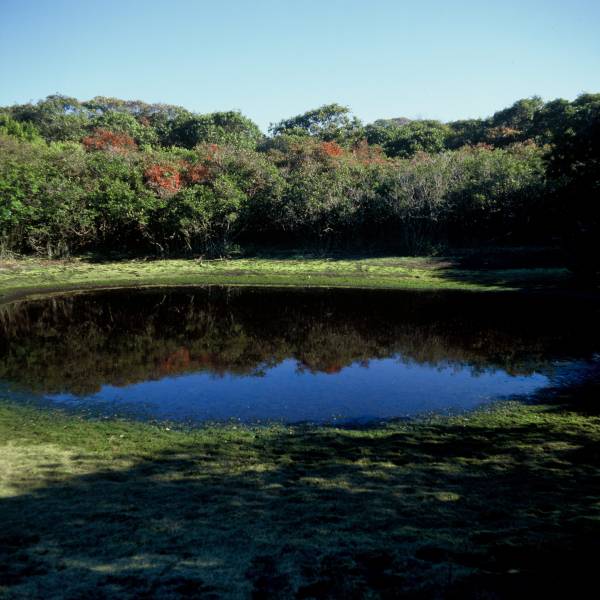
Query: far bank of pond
[27,276]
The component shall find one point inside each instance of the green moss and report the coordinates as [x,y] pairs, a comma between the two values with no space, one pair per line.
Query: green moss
[29,276]
[503,499]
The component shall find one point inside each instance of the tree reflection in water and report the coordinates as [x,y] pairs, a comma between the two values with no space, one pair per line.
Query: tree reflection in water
[79,344]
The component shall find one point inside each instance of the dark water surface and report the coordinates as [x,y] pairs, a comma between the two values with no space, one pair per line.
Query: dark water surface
[251,354]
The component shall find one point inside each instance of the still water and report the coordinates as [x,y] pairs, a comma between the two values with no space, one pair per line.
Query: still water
[251,354]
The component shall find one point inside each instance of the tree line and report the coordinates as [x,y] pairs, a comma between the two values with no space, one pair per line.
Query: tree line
[110,174]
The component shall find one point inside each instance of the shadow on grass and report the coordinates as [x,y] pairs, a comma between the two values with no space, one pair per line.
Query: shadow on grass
[442,511]
[519,269]
[580,395]
[520,279]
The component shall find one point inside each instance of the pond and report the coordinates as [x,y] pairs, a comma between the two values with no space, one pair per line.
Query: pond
[291,355]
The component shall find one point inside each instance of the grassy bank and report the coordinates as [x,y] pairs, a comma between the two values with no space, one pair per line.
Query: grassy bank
[501,503]
[28,276]
[491,505]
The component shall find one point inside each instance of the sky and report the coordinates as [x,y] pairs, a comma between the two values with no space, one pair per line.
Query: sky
[273,59]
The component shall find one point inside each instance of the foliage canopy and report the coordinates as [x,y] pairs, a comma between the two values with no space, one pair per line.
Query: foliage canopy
[111,174]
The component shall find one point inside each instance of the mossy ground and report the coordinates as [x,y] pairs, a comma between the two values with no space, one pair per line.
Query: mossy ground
[493,504]
[502,503]
[27,276]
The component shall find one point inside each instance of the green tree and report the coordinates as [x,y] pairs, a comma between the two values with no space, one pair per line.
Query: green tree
[330,122]
[57,118]
[519,116]
[23,130]
[468,132]
[159,117]
[201,218]
[222,128]
[122,122]
[574,166]
[417,136]
[383,131]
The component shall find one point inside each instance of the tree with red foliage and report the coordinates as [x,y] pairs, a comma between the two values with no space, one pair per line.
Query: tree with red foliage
[164,179]
[332,148]
[103,139]
[197,173]
[368,154]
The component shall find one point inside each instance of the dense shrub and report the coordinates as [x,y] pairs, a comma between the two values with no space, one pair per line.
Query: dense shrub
[105,175]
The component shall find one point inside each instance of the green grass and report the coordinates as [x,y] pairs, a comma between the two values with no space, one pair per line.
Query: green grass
[501,503]
[493,504]
[30,276]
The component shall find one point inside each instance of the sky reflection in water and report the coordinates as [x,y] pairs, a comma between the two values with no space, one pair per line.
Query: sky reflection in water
[384,389]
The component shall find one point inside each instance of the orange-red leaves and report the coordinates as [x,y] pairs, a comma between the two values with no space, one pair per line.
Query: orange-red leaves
[169,178]
[103,139]
[331,148]
[165,179]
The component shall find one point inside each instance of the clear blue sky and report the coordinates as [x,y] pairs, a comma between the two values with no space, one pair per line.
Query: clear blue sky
[272,59]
